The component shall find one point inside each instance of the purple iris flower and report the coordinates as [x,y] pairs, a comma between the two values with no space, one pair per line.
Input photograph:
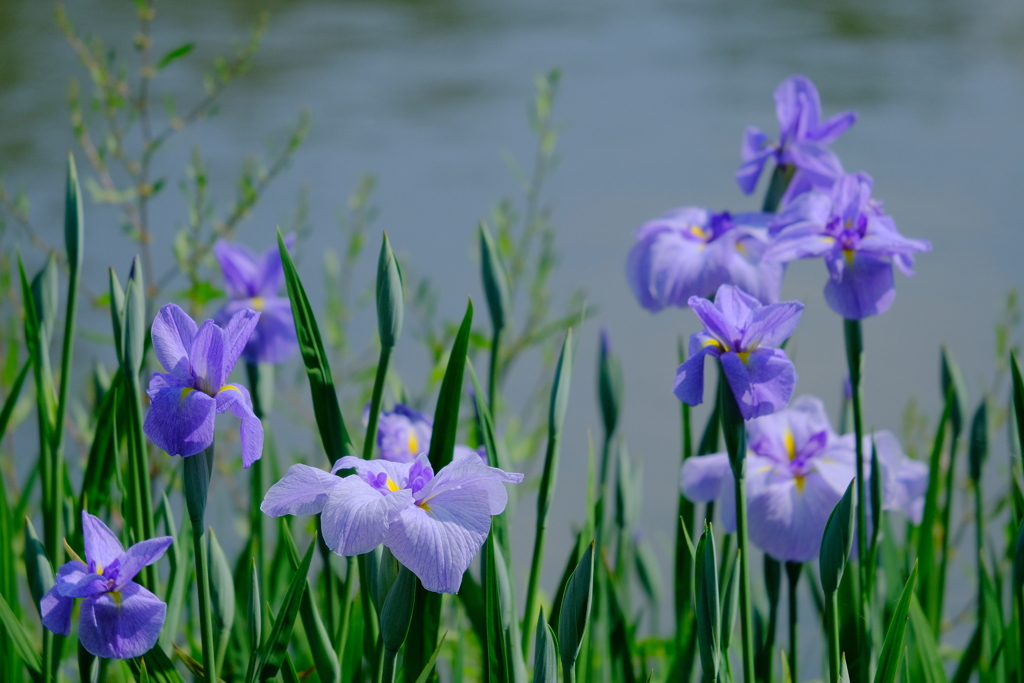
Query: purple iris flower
[742,334]
[119,618]
[185,399]
[692,252]
[404,433]
[797,470]
[859,242]
[254,282]
[433,524]
[904,480]
[803,140]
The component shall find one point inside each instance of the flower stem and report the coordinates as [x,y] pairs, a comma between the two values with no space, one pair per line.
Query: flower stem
[793,570]
[378,392]
[492,372]
[832,618]
[735,431]
[257,479]
[781,176]
[198,469]
[387,670]
[853,336]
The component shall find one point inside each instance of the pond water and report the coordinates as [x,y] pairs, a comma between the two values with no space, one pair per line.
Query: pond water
[654,99]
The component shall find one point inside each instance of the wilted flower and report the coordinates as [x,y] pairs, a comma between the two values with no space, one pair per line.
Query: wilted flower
[858,240]
[742,334]
[692,252]
[433,524]
[119,618]
[404,433]
[797,470]
[254,282]
[185,399]
[803,140]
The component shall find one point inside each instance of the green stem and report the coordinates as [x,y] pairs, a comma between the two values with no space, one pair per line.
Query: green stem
[346,606]
[386,668]
[735,431]
[257,479]
[198,469]
[543,505]
[378,392]
[832,616]
[1020,624]
[492,372]
[371,629]
[947,508]
[793,570]
[781,176]
[853,336]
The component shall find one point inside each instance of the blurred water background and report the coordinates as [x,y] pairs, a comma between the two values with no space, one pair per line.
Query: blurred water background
[653,101]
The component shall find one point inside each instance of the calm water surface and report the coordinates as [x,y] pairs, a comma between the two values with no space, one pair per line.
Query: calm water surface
[654,100]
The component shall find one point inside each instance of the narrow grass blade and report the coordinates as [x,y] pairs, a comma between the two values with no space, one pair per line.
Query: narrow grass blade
[12,398]
[222,597]
[101,463]
[892,647]
[158,665]
[20,639]
[576,611]
[545,653]
[926,664]
[324,657]
[446,414]
[926,535]
[496,668]
[333,434]
[428,669]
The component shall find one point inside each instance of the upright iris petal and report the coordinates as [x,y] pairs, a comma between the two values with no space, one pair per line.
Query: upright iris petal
[255,282]
[692,252]
[797,470]
[803,140]
[185,400]
[119,618]
[859,242]
[743,335]
[433,524]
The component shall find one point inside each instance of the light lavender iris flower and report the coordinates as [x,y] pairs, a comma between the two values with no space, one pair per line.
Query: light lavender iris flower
[254,282]
[692,252]
[743,335]
[859,242]
[185,399]
[797,470]
[434,524]
[803,140]
[119,618]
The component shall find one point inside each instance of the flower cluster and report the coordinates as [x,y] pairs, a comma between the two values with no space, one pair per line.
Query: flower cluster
[798,469]
[434,524]
[824,212]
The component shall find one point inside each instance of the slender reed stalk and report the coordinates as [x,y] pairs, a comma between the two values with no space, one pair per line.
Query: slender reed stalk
[832,627]
[378,392]
[853,336]
[198,469]
[735,432]
[257,479]
[793,570]
[492,371]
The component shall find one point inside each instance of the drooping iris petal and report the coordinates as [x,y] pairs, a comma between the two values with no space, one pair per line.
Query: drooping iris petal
[180,420]
[755,152]
[142,554]
[356,516]
[438,538]
[101,545]
[235,397]
[55,610]
[703,477]
[70,576]
[123,624]
[302,491]
[689,383]
[763,383]
[81,585]
[468,471]
[860,286]
[173,332]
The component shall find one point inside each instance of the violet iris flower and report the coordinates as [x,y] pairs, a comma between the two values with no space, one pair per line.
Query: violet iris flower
[434,524]
[742,334]
[803,140]
[859,242]
[797,470]
[404,433]
[185,400]
[119,618]
[692,252]
[904,480]
[254,282]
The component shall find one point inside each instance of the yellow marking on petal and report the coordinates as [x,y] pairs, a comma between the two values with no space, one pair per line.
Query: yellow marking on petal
[740,248]
[72,553]
[116,595]
[764,468]
[257,303]
[848,255]
[226,387]
[392,486]
[185,392]
[698,231]
[799,481]
[787,439]
[712,342]
[99,569]
[744,356]
[413,443]
[425,506]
